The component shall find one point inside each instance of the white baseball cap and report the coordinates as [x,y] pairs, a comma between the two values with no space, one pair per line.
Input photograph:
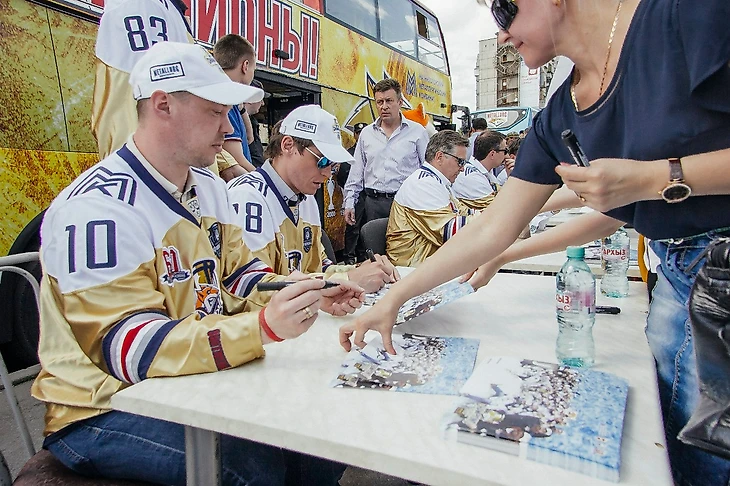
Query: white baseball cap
[311,122]
[177,66]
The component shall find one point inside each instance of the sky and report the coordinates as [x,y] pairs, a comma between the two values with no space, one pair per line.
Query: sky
[463,23]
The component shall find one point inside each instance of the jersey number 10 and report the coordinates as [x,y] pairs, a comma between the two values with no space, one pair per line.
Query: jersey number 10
[106,230]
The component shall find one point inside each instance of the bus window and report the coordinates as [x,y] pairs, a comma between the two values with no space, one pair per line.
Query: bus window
[429,41]
[397,27]
[359,15]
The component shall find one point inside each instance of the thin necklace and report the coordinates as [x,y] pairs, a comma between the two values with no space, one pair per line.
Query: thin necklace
[608,56]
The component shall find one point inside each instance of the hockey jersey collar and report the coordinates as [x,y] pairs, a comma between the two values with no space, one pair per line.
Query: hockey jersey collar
[154,185]
[428,167]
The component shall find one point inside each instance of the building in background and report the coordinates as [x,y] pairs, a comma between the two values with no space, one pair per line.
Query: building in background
[503,79]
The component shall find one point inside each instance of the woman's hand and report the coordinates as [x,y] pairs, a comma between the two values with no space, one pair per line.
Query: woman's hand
[380,318]
[611,183]
[482,275]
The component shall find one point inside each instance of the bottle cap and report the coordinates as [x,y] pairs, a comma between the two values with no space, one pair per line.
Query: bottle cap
[575,252]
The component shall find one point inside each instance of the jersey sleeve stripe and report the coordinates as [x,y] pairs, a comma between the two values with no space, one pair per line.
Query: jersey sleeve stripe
[453,226]
[242,281]
[326,263]
[125,345]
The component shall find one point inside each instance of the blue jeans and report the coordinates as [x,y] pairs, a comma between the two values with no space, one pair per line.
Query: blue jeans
[125,446]
[669,334]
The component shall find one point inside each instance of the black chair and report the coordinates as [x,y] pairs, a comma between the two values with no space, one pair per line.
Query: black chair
[42,468]
[328,248]
[372,235]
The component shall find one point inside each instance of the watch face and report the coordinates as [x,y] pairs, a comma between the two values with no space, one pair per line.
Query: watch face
[676,192]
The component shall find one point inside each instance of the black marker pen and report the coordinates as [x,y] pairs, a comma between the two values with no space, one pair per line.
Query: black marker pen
[607,309]
[370,255]
[271,286]
[571,141]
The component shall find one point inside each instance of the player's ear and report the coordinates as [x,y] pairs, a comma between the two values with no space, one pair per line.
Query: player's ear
[287,145]
[160,102]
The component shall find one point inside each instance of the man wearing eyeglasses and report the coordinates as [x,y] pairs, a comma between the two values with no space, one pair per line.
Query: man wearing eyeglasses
[477,185]
[425,212]
[276,208]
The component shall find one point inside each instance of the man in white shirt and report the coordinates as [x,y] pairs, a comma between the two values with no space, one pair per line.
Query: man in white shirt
[477,185]
[388,151]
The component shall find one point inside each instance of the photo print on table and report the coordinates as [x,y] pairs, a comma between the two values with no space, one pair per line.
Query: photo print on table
[422,364]
[427,301]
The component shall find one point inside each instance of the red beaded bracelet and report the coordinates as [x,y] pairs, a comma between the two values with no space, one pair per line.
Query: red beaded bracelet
[266,328]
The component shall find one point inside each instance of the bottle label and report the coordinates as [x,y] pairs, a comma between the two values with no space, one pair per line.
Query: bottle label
[575,301]
[615,254]
[563,302]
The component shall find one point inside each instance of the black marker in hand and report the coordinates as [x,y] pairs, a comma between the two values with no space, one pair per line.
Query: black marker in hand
[371,256]
[576,151]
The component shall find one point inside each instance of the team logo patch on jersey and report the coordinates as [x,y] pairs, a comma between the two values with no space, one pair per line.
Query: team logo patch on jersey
[307,239]
[305,126]
[175,271]
[294,260]
[207,288]
[166,71]
[214,236]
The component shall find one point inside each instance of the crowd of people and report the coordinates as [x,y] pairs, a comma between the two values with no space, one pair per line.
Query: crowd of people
[151,257]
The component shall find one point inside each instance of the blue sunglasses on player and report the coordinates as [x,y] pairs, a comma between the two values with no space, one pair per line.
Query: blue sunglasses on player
[322,161]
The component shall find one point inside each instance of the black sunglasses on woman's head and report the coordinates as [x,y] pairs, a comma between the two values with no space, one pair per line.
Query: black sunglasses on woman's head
[504,12]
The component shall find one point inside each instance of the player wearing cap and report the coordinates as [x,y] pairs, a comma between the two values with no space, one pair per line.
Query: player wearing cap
[275,204]
[145,275]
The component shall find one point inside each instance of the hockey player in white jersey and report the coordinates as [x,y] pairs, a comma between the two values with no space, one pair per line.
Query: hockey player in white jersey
[146,275]
[425,213]
[276,208]
[477,185]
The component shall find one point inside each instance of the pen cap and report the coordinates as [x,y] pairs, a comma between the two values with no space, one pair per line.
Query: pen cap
[568,136]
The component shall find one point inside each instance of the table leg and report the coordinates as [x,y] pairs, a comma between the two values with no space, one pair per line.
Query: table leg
[202,457]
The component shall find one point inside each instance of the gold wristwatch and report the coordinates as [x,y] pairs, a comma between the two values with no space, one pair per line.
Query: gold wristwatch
[676,189]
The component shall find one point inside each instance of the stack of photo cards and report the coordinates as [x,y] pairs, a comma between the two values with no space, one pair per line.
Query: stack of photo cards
[427,301]
[422,364]
[567,417]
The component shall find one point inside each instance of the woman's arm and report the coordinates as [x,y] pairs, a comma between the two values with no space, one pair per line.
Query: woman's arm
[478,242]
[581,230]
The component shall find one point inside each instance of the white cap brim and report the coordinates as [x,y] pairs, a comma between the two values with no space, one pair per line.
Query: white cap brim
[334,152]
[228,93]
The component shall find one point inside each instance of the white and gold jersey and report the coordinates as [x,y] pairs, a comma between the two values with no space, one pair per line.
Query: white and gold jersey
[475,186]
[128,28]
[424,215]
[137,285]
[285,237]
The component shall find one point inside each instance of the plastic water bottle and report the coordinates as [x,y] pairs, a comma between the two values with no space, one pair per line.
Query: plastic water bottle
[575,297]
[615,262]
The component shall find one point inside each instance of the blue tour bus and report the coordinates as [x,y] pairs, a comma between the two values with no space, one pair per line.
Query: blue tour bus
[507,119]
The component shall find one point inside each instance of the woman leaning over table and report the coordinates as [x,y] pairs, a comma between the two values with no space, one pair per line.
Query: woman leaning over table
[651,83]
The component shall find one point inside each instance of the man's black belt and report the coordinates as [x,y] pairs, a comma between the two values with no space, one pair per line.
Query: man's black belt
[377,194]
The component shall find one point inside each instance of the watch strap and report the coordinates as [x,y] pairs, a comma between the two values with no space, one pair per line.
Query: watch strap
[675,170]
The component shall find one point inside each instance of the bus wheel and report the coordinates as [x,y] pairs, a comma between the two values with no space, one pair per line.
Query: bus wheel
[17,300]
